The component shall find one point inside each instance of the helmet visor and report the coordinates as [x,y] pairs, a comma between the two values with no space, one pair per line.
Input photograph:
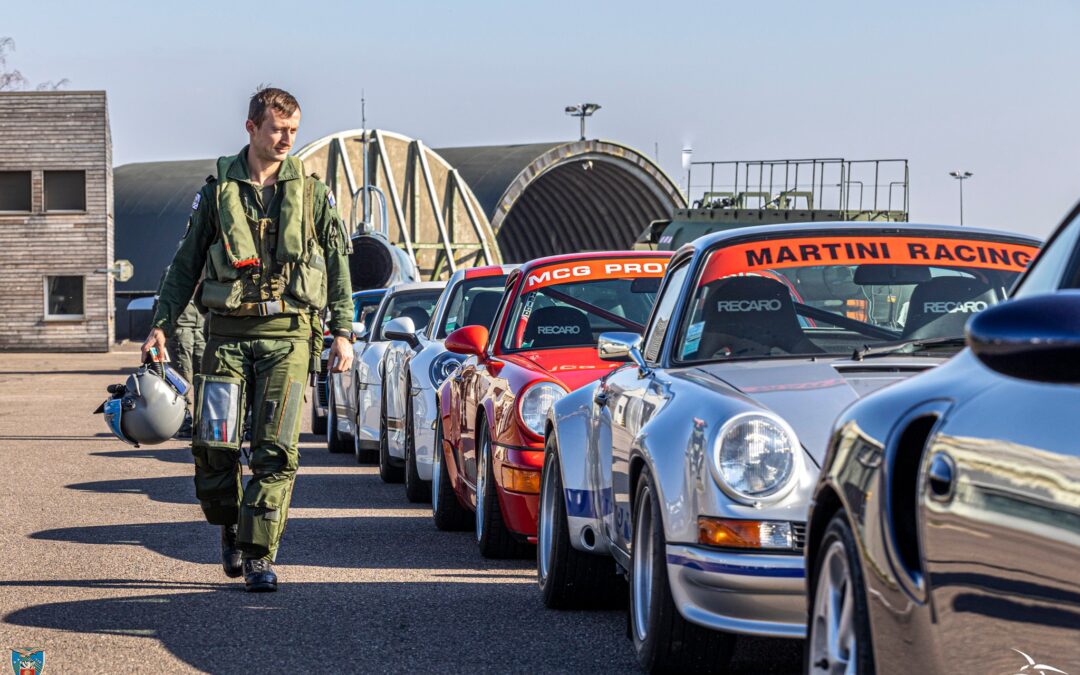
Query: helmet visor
[112,418]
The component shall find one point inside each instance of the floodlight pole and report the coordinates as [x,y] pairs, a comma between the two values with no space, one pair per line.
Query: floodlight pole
[581,111]
[961,176]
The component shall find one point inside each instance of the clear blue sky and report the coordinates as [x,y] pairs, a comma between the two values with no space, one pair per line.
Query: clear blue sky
[987,86]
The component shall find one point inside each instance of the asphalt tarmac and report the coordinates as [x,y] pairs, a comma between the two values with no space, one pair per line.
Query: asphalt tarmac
[107,565]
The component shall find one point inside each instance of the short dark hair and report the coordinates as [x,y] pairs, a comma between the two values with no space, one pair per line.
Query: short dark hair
[271,98]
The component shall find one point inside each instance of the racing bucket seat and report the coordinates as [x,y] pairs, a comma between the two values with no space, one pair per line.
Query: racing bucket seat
[558,327]
[751,316]
[942,306]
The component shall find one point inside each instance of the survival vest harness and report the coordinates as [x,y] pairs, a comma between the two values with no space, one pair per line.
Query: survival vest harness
[265,266]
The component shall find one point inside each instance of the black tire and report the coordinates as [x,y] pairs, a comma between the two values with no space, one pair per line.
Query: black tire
[668,643]
[334,441]
[388,470]
[449,514]
[417,489]
[839,533]
[492,536]
[574,579]
[318,423]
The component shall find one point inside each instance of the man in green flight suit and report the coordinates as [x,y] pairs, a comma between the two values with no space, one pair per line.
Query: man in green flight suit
[274,251]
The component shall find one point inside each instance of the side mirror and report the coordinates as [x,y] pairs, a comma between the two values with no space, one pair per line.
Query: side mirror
[1036,338]
[468,340]
[622,347]
[359,330]
[401,328]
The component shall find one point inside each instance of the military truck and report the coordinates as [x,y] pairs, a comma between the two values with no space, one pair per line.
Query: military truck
[730,194]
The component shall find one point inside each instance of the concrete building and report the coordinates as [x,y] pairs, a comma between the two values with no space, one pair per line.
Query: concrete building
[56,221]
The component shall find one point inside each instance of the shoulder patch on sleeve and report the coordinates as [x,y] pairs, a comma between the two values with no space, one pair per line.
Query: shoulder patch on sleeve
[330,198]
[195,204]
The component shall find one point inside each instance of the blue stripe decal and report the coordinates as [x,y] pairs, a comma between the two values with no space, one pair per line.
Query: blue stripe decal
[725,568]
[582,503]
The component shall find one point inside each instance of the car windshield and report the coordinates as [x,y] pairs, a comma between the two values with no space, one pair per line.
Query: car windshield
[474,302]
[570,304]
[825,294]
[416,305]
[364,307]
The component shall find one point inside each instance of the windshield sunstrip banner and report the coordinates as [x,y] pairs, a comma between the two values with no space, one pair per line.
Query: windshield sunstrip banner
[594,270]
[812,251]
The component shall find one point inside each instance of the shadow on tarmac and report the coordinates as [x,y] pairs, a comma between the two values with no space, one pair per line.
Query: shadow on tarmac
[356,542]
[349,627]
[312,453]
[317,491]
[413,627]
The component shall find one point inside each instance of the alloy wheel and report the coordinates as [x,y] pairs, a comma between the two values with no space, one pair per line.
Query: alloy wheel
[545,536]
[641,593]
[481,485]
[833,647]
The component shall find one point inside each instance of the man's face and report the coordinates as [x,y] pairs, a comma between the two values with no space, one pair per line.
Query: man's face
[273,138]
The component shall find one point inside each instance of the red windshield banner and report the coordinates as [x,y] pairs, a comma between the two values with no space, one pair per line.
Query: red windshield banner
[593,270]
[813,251]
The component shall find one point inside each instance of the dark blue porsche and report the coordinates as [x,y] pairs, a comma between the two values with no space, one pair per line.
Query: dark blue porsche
[944,535]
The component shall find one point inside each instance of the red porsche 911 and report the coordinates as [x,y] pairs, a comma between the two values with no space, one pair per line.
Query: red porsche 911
[541,345]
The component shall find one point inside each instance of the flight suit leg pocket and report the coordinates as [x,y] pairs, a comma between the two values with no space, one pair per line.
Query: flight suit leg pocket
[218,407]
[287,423]
[264,513]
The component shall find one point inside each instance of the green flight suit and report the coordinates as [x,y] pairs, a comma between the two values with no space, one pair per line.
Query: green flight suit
[264,358]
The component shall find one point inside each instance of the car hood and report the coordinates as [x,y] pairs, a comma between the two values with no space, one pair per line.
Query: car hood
[573,367]
[810,394]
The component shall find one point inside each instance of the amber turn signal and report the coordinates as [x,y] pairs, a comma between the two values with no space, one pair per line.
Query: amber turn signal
[520,480]
[744,533]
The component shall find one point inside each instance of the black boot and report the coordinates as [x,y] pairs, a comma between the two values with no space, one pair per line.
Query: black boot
[230,554]
[259,575]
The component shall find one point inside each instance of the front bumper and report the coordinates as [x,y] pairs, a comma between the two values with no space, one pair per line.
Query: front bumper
[425,417]
[754,594]
[520,510]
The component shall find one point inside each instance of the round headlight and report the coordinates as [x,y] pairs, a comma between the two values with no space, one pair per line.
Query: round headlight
[535,402]
[443,366]
[754,457]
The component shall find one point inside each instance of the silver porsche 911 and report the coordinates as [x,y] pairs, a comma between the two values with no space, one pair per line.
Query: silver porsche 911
[693,465]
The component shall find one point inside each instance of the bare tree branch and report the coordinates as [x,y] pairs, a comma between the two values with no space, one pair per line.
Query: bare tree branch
[13,80]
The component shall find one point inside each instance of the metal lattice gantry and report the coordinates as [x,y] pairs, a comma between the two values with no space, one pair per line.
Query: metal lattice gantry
[427,208]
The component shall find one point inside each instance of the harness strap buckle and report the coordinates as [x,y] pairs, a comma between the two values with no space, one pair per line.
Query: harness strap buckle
[271,307]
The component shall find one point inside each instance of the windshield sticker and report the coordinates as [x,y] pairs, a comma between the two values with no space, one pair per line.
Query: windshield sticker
[811,251]
[593,270]
[693,338]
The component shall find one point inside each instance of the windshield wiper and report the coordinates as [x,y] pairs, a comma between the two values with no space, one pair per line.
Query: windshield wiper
[912,345]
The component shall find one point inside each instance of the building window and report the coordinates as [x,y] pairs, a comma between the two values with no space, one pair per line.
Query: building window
[14,190]
[65,298]
[65,190]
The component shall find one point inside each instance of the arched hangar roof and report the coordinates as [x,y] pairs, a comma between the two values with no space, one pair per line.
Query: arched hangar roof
[548,198]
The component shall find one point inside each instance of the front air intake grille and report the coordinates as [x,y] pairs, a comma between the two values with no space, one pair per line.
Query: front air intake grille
[798,533]
[320,388]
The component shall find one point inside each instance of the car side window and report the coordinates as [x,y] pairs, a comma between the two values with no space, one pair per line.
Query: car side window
[1053,265]
[665,305]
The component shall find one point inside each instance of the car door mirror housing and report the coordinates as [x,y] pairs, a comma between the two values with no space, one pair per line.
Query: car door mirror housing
[1035,338]
[468,340]
[623,347]
[401,328]
[359,330]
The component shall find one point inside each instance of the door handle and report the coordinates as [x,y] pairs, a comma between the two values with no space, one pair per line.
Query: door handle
[941,477]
